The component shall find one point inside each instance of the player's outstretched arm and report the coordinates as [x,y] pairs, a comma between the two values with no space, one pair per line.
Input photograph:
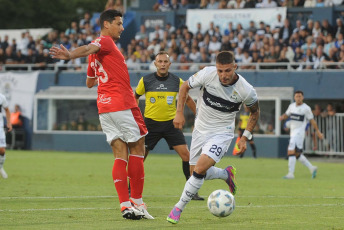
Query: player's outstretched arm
[82,51]
[252,121]
[179,119]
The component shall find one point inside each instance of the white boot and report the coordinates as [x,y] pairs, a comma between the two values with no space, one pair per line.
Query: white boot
[3,173]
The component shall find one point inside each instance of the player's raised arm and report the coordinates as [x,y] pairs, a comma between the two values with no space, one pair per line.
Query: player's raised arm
[179,119]
[252,121]
[64,54]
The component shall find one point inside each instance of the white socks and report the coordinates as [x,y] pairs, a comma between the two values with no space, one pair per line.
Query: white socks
[305,162]
[291,164]
[191,188]
[125,204]
[2,160]
[137,201]
[216,173]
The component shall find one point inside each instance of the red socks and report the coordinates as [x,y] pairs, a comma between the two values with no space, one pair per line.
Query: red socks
[119,175]
[136,175]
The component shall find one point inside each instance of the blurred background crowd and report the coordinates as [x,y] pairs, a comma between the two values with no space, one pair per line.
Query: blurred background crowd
[312,42]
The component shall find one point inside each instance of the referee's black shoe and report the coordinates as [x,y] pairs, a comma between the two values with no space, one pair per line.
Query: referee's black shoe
[197,197]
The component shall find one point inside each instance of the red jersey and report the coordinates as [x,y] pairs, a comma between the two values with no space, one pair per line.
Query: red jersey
[108,64]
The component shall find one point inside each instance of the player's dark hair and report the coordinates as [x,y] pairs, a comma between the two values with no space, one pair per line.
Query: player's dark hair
[109,16]
[225,57]
[298,91]
[162,52]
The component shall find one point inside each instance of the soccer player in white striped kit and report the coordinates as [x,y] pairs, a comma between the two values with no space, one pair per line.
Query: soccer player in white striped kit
[4,104]
[299,113]
[222,92]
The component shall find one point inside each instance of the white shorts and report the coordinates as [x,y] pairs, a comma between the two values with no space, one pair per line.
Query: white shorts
[127,125]
[2,138]
[296,142]
[213,145]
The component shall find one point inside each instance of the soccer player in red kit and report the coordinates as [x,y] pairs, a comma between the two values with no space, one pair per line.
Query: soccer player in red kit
[119,115]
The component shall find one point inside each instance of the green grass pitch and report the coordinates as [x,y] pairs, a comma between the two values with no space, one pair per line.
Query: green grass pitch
[63,190]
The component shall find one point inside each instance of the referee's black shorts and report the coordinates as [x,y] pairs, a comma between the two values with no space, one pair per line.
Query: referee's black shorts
[163,129]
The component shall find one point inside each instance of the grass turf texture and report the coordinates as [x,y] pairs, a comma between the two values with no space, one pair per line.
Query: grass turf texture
[62,190]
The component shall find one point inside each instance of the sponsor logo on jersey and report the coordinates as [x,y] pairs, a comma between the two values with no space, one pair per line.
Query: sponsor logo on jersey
[97,42]
[104,100]
[297,117]
[170,100]
[220,104]
[161,86]
[234,96]
[152,100]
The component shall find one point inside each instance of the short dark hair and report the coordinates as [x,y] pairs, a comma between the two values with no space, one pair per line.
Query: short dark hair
[298,91]
[109,16]
[225,57]
[162,52]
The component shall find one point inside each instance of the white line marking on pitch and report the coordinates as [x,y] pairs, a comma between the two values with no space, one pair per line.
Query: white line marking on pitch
[246,206]
[96,197]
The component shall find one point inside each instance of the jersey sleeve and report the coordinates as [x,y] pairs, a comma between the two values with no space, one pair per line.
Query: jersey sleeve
[180,82]
[198,79]
[140,89]
[309,114]
[104,43]
[251,98]
[4,101]
[288,112]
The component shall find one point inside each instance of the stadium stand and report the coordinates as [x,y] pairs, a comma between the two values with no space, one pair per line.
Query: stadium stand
[306,39]
[294,44]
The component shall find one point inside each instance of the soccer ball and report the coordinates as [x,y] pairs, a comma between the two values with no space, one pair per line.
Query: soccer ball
[221,203]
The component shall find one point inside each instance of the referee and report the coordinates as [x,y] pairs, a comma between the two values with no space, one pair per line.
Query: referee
[161,88]
[244,116]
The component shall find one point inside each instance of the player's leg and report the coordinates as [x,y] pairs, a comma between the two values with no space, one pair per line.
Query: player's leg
[291,158]
[2,153]
[135,133]
[184,153]
[116,136]
[299,149]
[176,138]
[119,172]
[197,143]
[136,175]
[154,135]
[2,161]
[253,147]
[215,148]
[191,187]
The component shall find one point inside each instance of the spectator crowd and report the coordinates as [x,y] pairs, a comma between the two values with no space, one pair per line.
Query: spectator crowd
[313,43]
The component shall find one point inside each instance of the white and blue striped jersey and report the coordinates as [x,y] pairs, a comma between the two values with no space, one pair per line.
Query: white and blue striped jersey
[3,104]
[217,104]
[299,116]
